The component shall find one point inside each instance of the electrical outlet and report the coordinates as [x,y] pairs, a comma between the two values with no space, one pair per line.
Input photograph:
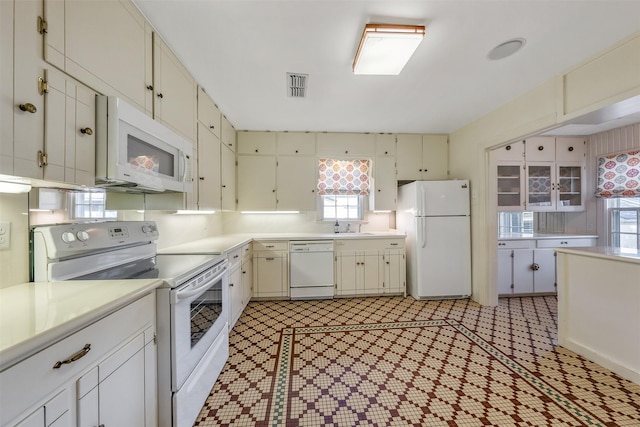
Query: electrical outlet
[5,234]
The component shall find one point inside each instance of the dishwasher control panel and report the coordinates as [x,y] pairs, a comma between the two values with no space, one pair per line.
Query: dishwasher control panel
[311,246]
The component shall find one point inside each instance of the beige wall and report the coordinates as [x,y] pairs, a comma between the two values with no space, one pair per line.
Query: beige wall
[540,109]
[14,261]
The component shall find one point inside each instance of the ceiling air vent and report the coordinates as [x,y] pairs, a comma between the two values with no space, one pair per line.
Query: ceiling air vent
[297,85]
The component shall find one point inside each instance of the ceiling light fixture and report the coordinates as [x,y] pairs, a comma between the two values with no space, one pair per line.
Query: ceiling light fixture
[505,49]
[384,49]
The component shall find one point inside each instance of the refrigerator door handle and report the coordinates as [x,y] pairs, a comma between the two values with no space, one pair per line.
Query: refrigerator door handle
[422,233]
[421,200]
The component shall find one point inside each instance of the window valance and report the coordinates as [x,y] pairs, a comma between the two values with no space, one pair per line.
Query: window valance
[619,175]
[349,177]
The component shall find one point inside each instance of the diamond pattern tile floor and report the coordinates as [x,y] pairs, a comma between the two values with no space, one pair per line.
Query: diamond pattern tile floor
[397,361]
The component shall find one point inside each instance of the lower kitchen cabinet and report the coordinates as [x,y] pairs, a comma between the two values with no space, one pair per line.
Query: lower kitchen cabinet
[271,269]
[104,374]
[357,273]
[113,393]
[240,281]
[529,266]
[370,267]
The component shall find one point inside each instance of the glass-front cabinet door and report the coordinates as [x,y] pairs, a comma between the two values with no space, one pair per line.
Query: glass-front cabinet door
[510,186]
[540,186]
[570,186]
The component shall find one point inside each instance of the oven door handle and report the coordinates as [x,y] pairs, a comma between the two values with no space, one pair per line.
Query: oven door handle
[191,291]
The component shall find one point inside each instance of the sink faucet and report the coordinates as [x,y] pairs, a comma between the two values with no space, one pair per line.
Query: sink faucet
[348,228]
[360,228]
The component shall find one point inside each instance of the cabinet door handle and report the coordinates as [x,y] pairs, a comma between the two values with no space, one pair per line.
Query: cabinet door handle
[535,267]
[86,131]
[231,284]
[160,96]
[28,107]
[149,87]
[79,355]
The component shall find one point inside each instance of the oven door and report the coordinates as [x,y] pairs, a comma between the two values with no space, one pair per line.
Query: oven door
[198,314]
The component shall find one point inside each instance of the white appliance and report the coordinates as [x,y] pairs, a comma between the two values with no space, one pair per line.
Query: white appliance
[191,305]
[435,216]
[137,153]
[311,269]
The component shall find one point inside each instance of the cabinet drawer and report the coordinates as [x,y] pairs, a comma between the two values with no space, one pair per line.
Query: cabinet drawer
[17,384]
[392,244]
[516,244]
[234,256]
[566,243]
[270,246]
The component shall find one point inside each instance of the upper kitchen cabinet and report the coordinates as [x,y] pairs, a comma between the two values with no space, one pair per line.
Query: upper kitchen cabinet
[296,143]
[385,145]
[345,145]
[209,176]
[509,167]
[296,182]
[107,45]
[555,169]
[228,134]
[208,113]
[422,157]
[175,91]
[296,172]
[385,188]
[228,178]
[53,115]
[256,183]
[258,143]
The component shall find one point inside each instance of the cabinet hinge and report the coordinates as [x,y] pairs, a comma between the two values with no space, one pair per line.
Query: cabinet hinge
[42,25]
[511,255]
[42,159]
[43,86]
[155,339]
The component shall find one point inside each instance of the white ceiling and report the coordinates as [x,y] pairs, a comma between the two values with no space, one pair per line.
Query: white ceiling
[241,50]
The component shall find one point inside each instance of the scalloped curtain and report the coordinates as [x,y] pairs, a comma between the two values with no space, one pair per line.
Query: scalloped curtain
[346,177]
[619,175]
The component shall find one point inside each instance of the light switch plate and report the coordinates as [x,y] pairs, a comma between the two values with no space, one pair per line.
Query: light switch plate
[5,234]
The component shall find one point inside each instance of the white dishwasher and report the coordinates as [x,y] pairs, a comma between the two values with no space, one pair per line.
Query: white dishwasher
[311,269]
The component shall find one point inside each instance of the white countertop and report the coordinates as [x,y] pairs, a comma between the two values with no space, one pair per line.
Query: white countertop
[227,242]
[604,252]
[542,236]
[37,314]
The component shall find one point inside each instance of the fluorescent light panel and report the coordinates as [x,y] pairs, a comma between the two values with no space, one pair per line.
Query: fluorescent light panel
[14,187]
[194,212]
[385,49]
[270,212]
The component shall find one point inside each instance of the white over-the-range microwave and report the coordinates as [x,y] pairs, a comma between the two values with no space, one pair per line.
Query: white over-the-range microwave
[135,152]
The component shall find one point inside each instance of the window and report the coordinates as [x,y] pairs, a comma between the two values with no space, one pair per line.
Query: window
[340,207]
[90,205]
[342,187]
[515,222]
[624,223]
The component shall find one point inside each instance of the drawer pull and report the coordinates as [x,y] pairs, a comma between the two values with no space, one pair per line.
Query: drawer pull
[394,244]
[269,259]
[269,246]
[79,355]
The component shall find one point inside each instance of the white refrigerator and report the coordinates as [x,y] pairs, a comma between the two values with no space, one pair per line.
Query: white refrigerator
[435,216]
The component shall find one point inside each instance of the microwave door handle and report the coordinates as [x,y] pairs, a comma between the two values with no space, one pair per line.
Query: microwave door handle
[183,160]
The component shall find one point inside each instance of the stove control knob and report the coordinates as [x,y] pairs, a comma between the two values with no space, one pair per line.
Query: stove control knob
[82,236]
[68,237]
[147,229]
